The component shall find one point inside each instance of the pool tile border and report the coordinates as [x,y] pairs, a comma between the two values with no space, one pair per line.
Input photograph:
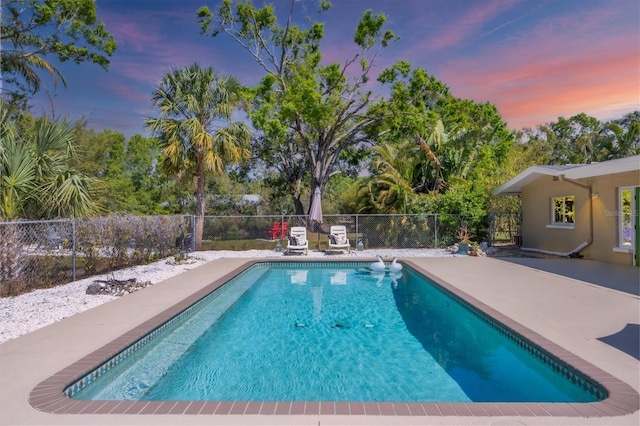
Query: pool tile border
[49,396]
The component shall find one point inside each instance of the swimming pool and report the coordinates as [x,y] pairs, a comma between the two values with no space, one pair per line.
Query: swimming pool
[340,281]
[333,332]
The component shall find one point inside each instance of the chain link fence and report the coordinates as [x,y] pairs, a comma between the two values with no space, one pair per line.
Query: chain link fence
[30,255]
[42,254]
[374,231]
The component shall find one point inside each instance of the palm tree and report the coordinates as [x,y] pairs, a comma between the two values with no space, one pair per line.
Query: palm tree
[26,66]
[618,141]
[36,179]
[432,178]
[389,188]
[428,165]
[192,102]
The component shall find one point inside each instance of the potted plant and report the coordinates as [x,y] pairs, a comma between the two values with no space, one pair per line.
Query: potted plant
[464,239]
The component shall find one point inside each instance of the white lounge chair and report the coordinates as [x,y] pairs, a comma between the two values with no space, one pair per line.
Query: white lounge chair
[298,240]
[338,238]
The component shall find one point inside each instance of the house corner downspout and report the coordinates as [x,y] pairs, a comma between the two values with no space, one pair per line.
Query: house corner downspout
[588,188]
[584,244]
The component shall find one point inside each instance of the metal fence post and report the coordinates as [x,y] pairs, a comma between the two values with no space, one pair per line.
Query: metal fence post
[73,249]
[435,227]
[357,231]
[192,219]
[492,229]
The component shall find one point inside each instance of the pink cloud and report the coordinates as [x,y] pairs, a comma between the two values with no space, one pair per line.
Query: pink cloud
[132,33]
[126,92]
[562,67]
[530,93]
[581,22]
[467,25]
[603,98]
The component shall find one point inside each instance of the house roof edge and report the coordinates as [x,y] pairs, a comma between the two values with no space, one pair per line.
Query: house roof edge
[620,165]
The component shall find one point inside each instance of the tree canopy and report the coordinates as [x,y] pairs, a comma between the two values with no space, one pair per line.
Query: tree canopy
[302,105]
[32,30]
[582,139]
[433,150]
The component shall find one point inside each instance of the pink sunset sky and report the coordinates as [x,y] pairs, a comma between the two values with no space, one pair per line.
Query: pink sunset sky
[536,60]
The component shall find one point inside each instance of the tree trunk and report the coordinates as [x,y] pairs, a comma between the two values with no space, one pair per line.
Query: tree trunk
[10,260]
[297,203]
[200,204]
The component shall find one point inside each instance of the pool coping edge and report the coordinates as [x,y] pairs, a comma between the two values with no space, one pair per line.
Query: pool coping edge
[48,395]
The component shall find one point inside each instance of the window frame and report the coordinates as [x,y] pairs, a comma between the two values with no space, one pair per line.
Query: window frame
[621,246]
[562,224]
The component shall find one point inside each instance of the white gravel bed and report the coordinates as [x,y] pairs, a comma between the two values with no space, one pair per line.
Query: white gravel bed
[28,312]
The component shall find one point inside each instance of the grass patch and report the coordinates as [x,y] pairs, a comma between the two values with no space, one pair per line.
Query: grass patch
[240,245]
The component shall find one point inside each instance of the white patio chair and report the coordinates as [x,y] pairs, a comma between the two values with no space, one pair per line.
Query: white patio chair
[298,240]
[338,238]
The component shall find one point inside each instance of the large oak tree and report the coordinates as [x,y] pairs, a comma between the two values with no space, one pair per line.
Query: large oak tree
[304,105]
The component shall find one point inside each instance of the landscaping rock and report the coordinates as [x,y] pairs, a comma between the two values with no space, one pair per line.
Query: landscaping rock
[115,287]
[453,249]
[95,288]
[171,260]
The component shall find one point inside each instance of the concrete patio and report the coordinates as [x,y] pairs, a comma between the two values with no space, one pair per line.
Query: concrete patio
[580,305]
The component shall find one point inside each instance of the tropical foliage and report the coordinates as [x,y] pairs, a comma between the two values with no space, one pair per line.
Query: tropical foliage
[33,29]
[303,107]
[582,139]
[37,179]
[192,101]
[129,172]
[434,151]
[415,149]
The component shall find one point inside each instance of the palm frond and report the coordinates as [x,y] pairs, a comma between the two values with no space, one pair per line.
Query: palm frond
[74,195]
[18,178]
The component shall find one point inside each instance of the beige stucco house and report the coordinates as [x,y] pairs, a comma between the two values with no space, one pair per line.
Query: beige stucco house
[581,209]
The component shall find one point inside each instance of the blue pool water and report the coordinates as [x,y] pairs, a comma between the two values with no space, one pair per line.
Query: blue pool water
[335,333]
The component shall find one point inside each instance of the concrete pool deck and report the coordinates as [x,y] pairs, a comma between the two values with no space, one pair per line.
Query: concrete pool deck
[576,315]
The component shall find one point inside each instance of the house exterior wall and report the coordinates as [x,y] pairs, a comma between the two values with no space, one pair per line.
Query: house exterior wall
[605,217]
[539,233]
